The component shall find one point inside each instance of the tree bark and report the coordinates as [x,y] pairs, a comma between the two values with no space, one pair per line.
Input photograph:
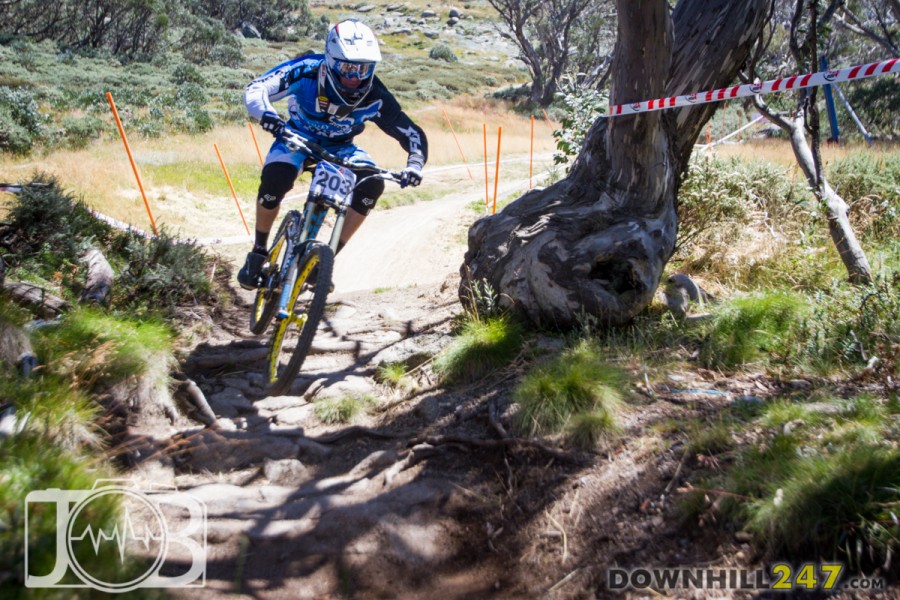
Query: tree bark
[597,242]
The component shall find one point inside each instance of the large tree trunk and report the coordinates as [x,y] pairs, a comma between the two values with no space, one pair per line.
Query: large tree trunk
[597,241]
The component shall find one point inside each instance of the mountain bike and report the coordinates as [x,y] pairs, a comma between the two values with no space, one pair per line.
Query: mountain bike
[296,277]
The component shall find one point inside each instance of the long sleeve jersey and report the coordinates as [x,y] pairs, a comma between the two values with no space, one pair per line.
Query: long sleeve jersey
[297,80]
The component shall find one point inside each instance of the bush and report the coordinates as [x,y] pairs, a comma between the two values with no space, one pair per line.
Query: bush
[847,322]
[581,107]
[187,73]
[21,124]
[96,350]
[155,275]
[870,184]
[443,52]
[81,131]
[718,198]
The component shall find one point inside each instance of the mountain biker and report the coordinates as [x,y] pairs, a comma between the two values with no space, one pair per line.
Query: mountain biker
[330,97]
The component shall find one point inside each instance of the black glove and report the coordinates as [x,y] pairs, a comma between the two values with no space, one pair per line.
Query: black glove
[411,175]
[272,123]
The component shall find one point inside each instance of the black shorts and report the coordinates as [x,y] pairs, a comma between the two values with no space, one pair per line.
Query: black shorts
[278,179]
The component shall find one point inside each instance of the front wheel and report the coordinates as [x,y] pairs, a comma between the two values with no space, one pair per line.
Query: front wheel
[267,296]
[293,335]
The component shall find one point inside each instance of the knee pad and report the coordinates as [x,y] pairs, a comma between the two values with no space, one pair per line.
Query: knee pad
[276,181]
[366,195]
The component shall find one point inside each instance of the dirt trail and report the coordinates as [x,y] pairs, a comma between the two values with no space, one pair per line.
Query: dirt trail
[424,495]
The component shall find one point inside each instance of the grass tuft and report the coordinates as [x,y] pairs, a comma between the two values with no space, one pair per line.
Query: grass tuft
[844,503]
[578,393]
[394,375]
[96,350]
[749,327]
[483,346]
[342,410]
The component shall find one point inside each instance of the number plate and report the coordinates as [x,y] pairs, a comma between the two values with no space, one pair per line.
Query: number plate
[332,182]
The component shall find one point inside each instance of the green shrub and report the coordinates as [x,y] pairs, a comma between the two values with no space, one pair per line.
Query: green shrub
[441,51]
[187,73]
[155,275]
[21,124]
[870,183]
[847,322]
[718,198]
[580,108]
[190,94]
[577,392]
[81,131]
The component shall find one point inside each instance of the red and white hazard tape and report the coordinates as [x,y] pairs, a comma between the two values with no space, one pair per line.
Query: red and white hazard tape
[777,85]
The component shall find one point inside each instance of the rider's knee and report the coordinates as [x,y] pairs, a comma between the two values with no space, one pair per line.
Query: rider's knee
[366,196]
[276,181]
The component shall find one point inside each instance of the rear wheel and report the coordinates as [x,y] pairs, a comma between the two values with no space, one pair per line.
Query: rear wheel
[294,334]
[267,296]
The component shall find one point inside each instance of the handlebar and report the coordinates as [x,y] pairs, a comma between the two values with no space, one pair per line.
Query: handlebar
[296,143]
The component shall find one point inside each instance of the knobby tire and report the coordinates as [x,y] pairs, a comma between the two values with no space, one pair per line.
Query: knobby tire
[266,300]
[280,380]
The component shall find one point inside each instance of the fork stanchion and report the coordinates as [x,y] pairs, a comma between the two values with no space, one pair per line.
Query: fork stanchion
[137,175]
[231,186]
[255,143]
[497,171]
[461,153]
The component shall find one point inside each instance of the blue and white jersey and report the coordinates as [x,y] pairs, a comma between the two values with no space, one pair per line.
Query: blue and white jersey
[297,80]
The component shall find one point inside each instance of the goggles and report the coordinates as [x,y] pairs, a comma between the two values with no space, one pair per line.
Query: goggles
[345,68]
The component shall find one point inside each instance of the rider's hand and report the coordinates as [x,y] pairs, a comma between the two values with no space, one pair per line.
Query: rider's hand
[272,123]
[411,175]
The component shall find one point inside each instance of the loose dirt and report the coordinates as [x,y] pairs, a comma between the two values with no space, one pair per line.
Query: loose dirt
[426,495]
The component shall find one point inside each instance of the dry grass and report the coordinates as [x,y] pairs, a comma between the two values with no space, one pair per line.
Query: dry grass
[188,192]
[779,152]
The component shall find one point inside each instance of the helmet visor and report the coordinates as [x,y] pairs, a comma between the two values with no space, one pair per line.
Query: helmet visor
[350,70]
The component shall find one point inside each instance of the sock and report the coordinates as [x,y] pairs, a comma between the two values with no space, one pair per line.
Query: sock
[262,241]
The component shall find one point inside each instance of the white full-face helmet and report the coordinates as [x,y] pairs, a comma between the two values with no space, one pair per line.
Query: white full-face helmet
[351,54]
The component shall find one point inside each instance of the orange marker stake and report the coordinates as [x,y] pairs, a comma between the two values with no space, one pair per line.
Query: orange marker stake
[486,197]
[134,168]
[457,144]
[709,132]
[497,171]
[547,118]
[228,179]
[531,155]
[253,134]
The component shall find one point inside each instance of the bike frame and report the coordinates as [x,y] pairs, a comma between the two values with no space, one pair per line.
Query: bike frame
[305,227]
